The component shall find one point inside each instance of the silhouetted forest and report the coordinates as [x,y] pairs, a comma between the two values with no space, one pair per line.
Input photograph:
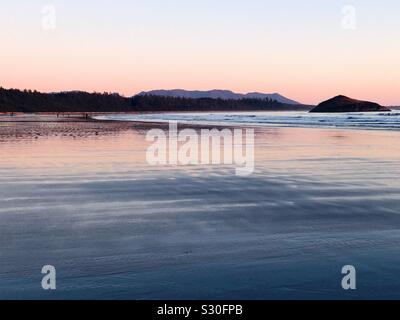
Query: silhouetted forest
[13,100]
[32,101]
[160,103]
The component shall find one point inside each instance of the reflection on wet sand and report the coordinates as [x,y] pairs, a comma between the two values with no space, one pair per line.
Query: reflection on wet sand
[116,227]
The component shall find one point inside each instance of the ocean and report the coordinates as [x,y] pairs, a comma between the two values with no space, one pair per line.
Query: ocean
[374,120]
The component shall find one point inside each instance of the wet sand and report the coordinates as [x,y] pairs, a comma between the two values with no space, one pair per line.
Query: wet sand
[80,195]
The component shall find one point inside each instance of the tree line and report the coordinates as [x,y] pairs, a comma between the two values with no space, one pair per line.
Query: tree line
[14,100]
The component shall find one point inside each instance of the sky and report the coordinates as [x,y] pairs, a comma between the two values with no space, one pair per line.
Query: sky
[307,50]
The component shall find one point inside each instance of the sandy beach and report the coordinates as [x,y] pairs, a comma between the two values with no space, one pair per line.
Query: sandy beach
[80,195]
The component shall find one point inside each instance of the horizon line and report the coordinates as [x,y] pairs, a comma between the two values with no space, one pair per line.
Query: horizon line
[194,90]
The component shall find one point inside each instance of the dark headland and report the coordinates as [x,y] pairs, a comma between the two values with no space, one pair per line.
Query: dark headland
[344,104]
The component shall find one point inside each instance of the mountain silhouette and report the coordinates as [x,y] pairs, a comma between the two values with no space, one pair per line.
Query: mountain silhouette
[14,100]
[218,94]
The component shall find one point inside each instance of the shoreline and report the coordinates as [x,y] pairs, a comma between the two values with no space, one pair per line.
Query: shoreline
[21,121]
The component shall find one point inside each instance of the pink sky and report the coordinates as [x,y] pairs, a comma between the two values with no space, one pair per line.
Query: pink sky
[302,52]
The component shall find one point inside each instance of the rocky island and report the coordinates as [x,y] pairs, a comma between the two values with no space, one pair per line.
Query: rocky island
[346,104]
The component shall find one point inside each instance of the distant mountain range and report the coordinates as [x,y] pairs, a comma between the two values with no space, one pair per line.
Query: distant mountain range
[14,100]
[218,94]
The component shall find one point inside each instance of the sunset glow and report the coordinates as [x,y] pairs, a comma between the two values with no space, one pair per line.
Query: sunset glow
[299,49]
